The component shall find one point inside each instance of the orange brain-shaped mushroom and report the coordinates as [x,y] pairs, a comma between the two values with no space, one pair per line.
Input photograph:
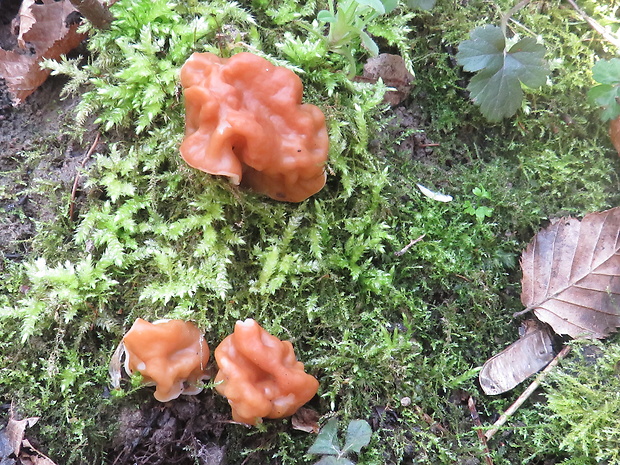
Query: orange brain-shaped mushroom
[260,375]
[244,119]
[171,354]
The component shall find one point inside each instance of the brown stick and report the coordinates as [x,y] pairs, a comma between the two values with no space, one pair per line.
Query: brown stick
[527,393]
[474,415]
[408,246]
[435,425]
[595,25]
[77,177]
[95,12]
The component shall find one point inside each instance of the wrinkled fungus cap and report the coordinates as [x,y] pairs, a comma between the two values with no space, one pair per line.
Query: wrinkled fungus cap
[244,119]
[170,354]
[260,375]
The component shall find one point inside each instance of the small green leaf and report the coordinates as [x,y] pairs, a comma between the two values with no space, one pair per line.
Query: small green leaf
[485,49]
[608,98]
[497,95]
[358,436]
[607,94]
[325,16]
[331,460]
[326,442]
[374,4]
[369,44]
[607,71]
[390,5]
[496,88]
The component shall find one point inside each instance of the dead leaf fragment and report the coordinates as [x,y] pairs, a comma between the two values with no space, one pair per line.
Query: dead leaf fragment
[571,275]
[517,362]
[115,369]
[306,419]
[22,448]
[44,32]
[392,71]
[15,430]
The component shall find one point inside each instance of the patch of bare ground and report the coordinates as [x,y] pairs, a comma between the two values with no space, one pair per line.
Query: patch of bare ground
[187,430]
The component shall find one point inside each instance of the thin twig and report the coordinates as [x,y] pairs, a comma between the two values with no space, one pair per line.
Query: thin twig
[77,177]
[506,16]
[435,425]
[523,312]
[595,25]
[474,415]
[527,393]
[408,246]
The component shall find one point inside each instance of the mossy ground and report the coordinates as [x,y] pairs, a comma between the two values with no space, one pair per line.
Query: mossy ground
[157,239]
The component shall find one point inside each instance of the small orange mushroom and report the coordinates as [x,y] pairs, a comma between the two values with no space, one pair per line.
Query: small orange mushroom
[244,119]
[170,354]
[260,375]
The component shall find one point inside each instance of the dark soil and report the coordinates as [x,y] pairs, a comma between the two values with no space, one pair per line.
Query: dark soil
[185,431]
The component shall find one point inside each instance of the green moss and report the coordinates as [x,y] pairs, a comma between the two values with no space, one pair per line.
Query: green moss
[159,239]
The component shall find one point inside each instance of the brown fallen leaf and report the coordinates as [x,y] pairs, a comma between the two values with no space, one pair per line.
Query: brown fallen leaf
[571,275]
[22,448]
[44,32]
[15,431]
[306,419]
[571,280]
[392,71]
[517,362]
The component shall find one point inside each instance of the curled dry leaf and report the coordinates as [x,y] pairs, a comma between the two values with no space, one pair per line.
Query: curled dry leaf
[306,419]
[115,369]
[571,275]
[517,362]
[21,447]
[44,32]
[571,280]
[393,71]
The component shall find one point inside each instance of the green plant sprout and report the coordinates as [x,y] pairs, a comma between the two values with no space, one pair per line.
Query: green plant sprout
[479,211]
[502,65]
[607,93]
[347,24]
[326,443]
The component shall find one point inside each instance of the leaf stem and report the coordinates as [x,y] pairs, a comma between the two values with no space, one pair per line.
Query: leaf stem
[527,393]
[595,25]
[506,16]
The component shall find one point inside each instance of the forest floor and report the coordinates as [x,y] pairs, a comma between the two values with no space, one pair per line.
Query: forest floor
[395,299]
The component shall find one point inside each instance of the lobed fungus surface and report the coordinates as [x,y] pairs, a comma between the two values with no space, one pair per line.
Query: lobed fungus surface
[170,354]
[260,375]
[245,120]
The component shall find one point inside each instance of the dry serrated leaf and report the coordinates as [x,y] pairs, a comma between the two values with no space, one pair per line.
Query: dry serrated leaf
[571,275]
